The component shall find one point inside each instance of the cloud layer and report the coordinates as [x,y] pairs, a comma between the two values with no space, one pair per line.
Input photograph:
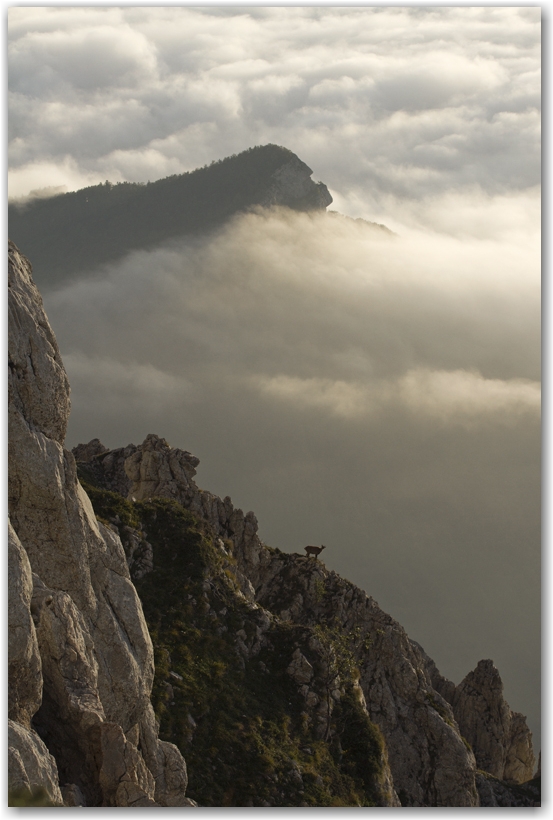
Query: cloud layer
[379,394]
[376,393]
[388,105]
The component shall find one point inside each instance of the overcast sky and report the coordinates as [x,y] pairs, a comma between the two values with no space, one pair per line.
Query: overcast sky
[377,394]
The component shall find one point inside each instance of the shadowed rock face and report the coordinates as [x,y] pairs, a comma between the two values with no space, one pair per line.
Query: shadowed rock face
[81,659]
[25,666]
[291,185]
[30,764]
[430,763]
[155,469]
[500,738]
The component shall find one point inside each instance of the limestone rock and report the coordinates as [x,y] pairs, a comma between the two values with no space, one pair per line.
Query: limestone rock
[154,468]
[38,384]
[85,452]
[106,467]
[24,664]
[498,793]
[138,551]
[300,669]
[72,796]
[30,765]
[430,763]
[520,760]
[291,185]
[386,784]
[500,738]
[97,656]
[164,761]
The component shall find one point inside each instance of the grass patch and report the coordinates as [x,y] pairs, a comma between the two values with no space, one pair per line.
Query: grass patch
[25,798]
[110,506]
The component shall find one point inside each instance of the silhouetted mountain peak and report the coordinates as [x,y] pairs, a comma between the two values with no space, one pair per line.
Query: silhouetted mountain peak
[72,233]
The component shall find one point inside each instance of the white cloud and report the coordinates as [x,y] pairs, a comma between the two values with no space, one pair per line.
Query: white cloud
[80,60]
[409,102]
[65,174]
[451,397]
[307,290]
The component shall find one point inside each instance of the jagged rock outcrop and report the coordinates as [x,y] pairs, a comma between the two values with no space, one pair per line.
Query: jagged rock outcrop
[500,738]
[30,764]
[153,471]
[430,763]
[24,663]
[87,691]
[291,185]
[435,732]
[154,468]
[420,713]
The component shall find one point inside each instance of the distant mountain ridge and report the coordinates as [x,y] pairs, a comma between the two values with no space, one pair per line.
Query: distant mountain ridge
[70,234]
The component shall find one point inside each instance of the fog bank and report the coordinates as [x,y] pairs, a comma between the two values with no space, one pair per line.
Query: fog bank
[376,393]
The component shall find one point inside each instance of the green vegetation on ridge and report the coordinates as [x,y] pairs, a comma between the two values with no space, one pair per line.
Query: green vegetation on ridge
[238,719]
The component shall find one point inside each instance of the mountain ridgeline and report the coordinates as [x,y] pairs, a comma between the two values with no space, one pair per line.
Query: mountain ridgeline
[73,233]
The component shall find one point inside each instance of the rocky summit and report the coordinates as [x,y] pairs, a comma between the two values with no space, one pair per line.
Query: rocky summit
[149,626]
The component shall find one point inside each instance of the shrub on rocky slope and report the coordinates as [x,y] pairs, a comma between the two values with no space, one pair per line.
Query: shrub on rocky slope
[256,727]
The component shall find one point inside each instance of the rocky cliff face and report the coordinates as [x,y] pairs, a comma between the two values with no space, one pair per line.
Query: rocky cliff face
[291,711]
[155,469]
[260,657]
[437,735]
[499,736]
[291,185]
[81,658]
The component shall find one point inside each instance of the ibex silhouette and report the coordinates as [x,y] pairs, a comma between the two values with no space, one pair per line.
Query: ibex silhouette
[314,550]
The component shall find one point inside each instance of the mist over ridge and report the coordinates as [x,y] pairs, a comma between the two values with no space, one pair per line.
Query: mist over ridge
[70,234]
[374,392]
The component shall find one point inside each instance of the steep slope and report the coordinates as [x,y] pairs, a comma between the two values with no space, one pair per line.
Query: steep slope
[418,712]
[245,696]
[73,233]
[80,656]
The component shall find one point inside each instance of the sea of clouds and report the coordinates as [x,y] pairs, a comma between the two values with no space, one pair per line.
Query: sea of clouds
[394,108]
[377,393]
